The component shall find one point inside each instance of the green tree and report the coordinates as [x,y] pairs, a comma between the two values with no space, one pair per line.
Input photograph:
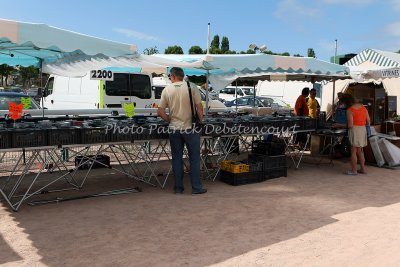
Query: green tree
[215,50]
[196,50]
[176,49]
[151,50]
[286,54]
[28,73]
[215,41]
[310,52]
[224,44]
[297,55]
[5,71]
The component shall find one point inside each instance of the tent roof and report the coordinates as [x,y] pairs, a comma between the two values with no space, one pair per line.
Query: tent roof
[248,64]
[26,44]
[224,69]
[380,58]
[374,64]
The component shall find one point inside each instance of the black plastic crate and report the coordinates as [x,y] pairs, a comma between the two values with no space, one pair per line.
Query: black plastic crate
[142,133]
[162,132]
[309,124]
[271,148]
[95,135]
[275,173]
[5,139]
[157,132]
[123,134]
[298,124]
[241,178]
[256,166]
[28,138]
[269,162]
[100,161]
[63,136]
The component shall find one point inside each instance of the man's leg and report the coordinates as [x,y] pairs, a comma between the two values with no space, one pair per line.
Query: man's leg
[176,143]
[192,141]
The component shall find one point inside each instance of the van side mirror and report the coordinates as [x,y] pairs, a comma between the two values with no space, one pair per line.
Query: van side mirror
[40,92]
[45,92]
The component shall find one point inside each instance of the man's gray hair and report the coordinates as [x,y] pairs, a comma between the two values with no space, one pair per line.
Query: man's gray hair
[177,72]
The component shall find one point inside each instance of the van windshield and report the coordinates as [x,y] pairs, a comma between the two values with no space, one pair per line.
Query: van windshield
[129,85]
[248,91]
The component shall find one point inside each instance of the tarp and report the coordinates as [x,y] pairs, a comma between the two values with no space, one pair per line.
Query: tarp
[27,44]
[224,69]
[141,63]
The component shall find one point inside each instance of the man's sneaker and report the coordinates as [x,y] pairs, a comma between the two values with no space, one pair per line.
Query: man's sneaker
[178,192]
[201,191]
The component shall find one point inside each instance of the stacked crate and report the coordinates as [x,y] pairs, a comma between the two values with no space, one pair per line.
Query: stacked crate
[238,173]
[271,155]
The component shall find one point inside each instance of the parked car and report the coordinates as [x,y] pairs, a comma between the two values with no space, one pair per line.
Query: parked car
[34,92]
[15,90]
[260,101]
[7,97]
[228,93]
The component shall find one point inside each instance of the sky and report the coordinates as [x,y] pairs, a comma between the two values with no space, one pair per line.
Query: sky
[283,26]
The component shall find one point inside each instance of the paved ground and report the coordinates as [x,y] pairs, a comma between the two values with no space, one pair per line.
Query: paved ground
[314,217]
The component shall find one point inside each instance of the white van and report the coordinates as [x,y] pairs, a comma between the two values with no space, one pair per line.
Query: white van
[230,93]
[83,93]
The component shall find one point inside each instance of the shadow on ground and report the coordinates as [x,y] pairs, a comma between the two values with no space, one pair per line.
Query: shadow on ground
[7,253]
[158,228]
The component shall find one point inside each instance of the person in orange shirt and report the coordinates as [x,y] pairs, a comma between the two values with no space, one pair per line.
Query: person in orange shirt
[301,108]
[357,119]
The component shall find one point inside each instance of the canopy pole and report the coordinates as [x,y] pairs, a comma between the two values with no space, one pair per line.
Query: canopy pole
[254,94]
[236,102]
[208,73]
[334,80]
[207,95]
[41,84]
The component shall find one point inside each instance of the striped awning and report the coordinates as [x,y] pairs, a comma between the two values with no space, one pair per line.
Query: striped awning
[378,57]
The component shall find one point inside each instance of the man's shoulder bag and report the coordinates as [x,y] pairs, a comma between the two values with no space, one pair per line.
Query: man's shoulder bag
[196,123]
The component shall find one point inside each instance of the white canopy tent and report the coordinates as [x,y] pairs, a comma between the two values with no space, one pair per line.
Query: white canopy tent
[369,66]
[224,69]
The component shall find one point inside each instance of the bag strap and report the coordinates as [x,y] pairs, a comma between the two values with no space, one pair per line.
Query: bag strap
[190,97]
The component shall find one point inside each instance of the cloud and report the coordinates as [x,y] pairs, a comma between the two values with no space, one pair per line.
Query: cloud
[393,29]
[348,2]
[292,7]
[395,4]
[136,34]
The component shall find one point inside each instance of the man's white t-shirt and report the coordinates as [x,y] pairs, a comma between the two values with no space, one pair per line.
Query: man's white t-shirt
[175,97]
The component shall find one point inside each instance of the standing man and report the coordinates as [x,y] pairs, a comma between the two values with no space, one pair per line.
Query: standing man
[313,105]
[301,108]
[340,110]
[175,97]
